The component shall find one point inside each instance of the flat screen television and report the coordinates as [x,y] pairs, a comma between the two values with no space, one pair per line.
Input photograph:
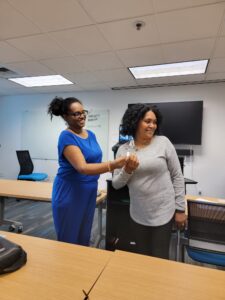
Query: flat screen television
[182,121]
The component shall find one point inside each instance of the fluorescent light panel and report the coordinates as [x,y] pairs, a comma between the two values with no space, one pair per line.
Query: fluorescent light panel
[42,80]
[174,69]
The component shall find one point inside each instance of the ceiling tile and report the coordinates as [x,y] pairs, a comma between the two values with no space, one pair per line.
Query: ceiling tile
[51,15]
[84,78]
[95,86]
[82,40]
[29,68]
[38,46]
[222,32]
[220,48]
[19,89]
[121,84]
[100,61]
[10,54]
[215,76]
[152,81]
[166,5]
[186,78]
[108,10]
[63,65]
[108,78]
[141,56]
[188,24]
[115,77]
[55,89]
[216,65]
[123,34]
[189,50]
[14,24]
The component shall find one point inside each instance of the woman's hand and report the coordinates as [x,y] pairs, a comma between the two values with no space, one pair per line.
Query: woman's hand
[132,163]
[118,162]
[180,219]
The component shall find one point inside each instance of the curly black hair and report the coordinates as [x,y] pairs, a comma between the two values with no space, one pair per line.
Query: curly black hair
[59,106]
[134,114]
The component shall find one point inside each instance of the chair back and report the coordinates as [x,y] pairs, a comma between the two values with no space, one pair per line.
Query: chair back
[206,221]
[181,160]
[25,162]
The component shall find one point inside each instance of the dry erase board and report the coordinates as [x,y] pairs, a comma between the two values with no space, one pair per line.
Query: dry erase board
[40,135]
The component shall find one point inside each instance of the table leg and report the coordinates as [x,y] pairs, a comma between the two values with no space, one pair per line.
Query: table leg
[100,235]
[13,224]
[178,246]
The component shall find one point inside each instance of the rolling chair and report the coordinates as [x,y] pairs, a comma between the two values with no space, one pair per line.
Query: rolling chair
[206,233]
[27,167]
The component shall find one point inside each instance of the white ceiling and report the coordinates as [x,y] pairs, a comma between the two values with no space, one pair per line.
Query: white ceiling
[93,42]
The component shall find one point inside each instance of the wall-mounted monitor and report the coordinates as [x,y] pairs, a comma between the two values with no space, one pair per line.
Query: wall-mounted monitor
[182,121]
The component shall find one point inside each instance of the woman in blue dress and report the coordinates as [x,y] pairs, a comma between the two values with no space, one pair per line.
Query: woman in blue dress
[75,186]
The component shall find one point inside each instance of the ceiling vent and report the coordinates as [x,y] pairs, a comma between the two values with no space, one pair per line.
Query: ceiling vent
[6,73]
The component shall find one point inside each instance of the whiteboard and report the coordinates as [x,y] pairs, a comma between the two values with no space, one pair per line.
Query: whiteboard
[40,135]
[98,122]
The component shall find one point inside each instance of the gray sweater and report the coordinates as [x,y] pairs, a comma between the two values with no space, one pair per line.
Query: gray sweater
[156,187]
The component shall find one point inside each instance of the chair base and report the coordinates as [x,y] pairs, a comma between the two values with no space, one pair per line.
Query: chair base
[13,225]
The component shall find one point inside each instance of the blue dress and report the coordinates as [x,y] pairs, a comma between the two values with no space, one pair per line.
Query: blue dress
[74,194]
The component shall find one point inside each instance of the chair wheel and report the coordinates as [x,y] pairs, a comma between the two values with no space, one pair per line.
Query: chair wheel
[12,228]
[20,229]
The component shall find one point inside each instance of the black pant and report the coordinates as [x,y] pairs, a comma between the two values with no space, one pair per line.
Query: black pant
[153,240]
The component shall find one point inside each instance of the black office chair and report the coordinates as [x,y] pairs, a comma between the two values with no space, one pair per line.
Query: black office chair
[181,160]
[27,167]
[206,232]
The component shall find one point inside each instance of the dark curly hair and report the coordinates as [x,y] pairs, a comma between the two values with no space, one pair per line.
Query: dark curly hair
[134,114]
[59,106]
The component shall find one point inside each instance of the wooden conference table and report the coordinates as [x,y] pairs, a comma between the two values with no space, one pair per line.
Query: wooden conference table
[130,276]
[39,191]
[205,198]
[56,270]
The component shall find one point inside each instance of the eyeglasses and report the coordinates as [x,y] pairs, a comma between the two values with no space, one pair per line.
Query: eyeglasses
[78,114]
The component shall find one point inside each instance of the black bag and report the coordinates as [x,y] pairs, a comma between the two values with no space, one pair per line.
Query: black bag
[12,256]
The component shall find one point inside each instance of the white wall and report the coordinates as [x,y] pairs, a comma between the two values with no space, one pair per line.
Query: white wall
[207,166]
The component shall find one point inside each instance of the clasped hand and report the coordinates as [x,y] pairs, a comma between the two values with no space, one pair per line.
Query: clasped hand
[131,164]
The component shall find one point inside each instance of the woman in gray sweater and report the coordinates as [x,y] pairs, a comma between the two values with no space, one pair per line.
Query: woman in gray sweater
[154,178]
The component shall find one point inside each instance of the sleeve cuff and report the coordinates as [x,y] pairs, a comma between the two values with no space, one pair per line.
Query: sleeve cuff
[180,211]
[125,174]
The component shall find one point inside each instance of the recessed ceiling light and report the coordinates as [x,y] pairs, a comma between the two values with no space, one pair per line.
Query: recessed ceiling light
[42,80]
[173,69]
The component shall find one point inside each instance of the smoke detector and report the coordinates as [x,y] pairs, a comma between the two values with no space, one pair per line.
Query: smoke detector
[139,24]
